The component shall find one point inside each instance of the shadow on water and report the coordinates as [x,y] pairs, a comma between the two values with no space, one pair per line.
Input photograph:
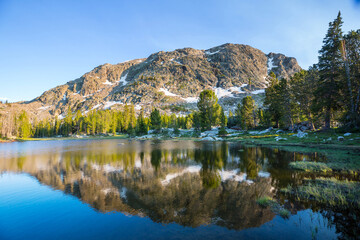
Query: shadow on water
[183,182]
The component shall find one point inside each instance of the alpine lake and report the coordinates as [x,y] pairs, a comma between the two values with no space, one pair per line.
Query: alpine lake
[162,189]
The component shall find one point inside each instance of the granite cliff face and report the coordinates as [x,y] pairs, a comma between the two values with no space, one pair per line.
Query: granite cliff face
[177,77]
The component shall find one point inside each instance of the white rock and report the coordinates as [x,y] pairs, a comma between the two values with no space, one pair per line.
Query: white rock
[278,138]
[301,134]
[347,134]
[265,131]
[341,138]
[207,139]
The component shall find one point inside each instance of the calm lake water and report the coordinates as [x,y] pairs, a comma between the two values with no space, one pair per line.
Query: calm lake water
[120,189]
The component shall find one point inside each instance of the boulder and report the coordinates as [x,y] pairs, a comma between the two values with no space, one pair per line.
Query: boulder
[278,138]
[302,126]
[301,134]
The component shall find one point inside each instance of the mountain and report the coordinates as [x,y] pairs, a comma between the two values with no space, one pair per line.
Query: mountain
[167,78]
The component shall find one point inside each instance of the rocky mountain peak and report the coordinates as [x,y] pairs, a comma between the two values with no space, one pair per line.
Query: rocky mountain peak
[164,78]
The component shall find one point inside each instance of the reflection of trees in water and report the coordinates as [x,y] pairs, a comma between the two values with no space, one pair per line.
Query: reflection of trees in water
[156,155]
[346,221]
[190,200]
[210,178]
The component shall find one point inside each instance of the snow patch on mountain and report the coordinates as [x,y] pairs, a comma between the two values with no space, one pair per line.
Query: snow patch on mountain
[191,99]
[108,82]
[167,92]
[271,64]
[123,80]
[211,53]
[44,107]
[96,106]
[258,91]
[110,104]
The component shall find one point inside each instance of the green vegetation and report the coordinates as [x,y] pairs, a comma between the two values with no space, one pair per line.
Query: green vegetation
[310,166]
[265,201]
[209,109]
[274,205]
[155,119]
[247,113]
[331,192]
[223,123]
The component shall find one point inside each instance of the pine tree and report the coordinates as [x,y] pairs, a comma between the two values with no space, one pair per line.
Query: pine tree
[247,112]
[176,128]
[142,128]
[196,121]
[237,119]
[231,120]
[24,125]
[67,128]
[302,94]
[351,58]
[328,93]
[223,123]
[155,119]
[285,108]
[132,117]
[78,121]
[273,99]
[209,109]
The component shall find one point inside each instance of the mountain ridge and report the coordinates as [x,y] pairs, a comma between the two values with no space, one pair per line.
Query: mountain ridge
[165,78]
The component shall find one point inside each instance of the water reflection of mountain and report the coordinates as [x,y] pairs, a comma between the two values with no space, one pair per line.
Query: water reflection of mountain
[190,183]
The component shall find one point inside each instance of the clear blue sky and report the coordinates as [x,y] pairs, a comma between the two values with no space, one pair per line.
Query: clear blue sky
[45,43]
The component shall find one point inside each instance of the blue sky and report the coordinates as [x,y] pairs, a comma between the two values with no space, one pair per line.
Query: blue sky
[45,43]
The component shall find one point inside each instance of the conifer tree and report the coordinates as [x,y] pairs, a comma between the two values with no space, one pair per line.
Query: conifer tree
[142,128]
[302,91]
[247,112]
[196,121]
[24,125]
[132,117]
[223,123]
[351,59]
[329,87]
[273,99]
[209,109]
[155,119]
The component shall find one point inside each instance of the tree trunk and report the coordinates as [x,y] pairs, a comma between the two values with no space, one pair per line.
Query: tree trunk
[347,71]
[327,118]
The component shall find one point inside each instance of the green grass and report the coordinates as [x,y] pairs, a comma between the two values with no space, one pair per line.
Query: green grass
[267,201]
[317,138]
[331,192]
[310,166]
[284,213]
[342,156]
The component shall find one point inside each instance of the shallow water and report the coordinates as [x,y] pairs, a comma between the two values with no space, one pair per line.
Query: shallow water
[106,189]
